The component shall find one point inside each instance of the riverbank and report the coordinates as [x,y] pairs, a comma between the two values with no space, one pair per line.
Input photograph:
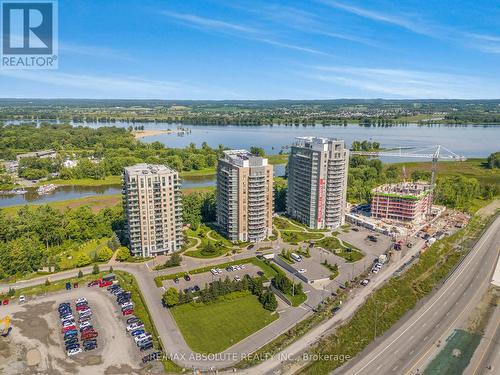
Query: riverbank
[95,202]
[138,134]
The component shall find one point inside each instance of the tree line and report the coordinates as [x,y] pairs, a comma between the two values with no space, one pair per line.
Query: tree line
[218,288]
[37,236]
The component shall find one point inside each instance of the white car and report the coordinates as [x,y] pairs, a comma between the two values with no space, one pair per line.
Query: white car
[84,324]
[80,300]
[74,351]
[242,267]
[142,337]
[69,322]
[375,270]
[213,271]
[22,298]
[66,318]
[134,326]
[237,278]
[302,270]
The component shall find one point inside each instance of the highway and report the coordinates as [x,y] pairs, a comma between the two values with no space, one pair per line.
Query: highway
[408,348]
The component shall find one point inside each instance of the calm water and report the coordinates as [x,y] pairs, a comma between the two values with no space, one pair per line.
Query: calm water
[469,141]
[72,192]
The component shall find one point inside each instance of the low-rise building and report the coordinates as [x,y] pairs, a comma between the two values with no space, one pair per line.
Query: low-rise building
[406,201]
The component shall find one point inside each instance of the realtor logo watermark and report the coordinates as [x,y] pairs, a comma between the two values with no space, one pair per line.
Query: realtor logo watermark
[29,34]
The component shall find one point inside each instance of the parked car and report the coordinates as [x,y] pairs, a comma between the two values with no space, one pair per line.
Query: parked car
[73,340]
[74,351]
[127,312]
[146,346]
[137,332]
[89,347]
[134,326]
[335,309]
[70,334]
[93,283]
[176,280]
[80,300]
[68,328]
[72,346]
[104,284]
[187,277]
[87,329]
[90,335]
[365,282]
[22,298]
[133,320]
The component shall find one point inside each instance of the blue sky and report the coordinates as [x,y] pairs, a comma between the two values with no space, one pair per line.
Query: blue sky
[258,49]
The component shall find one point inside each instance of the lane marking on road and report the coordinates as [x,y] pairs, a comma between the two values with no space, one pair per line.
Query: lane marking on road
[426,337]
[485,281]
[411,338]
[453,279]
[394,368]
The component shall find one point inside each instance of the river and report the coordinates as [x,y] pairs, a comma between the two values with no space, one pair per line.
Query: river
[466,140]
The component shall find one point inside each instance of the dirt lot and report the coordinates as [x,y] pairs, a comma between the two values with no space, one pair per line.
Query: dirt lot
[35,344]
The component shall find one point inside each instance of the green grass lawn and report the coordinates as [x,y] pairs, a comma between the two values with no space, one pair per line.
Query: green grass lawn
[68,258]
[214,327]
[109,180]
[468,168]
[198,173]
[297,237]
[277,159]
[333,244]
[297,299]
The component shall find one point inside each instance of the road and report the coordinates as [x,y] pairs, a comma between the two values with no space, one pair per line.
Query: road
[349,308]
[407,349]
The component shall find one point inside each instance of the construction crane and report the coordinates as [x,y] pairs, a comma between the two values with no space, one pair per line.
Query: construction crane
[433,152]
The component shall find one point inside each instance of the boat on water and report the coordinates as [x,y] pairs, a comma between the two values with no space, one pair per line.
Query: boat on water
[46,189]
[13,192]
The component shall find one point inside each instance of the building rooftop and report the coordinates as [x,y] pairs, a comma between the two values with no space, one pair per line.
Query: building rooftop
[244,158]
[404,189]
[144,168]
[315,143]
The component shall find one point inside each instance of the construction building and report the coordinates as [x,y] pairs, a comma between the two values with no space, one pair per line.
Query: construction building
[153,209]
[317,181]
[244,196]
[406,201]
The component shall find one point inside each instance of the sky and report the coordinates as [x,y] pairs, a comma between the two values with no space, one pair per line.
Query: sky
[267,49]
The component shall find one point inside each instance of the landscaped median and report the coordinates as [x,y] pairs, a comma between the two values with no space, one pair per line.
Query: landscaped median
[269,271]
[344,250]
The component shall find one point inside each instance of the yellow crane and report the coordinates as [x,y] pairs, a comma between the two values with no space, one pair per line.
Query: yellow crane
[5,326]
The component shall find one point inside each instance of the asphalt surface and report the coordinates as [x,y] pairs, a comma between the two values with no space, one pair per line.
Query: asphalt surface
[407,349]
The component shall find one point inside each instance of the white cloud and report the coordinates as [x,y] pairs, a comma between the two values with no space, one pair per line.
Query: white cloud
[93,51]
[236,30]
[109,86]
[402,83]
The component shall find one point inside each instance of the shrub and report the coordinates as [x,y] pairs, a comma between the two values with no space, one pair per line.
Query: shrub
[123,254]
[83,260]
[104,254]
[95,269]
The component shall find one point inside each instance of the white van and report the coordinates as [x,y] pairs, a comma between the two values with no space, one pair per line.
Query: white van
[296,257]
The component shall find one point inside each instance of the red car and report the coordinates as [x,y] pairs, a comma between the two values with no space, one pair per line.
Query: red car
[103,284]
[94,283]
[5,302]
[127,312]
[89,335]
[68,328]
[82,307]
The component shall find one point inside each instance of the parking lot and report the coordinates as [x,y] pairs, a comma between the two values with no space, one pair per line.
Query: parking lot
[36,345]
[206,278]
[360,240]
